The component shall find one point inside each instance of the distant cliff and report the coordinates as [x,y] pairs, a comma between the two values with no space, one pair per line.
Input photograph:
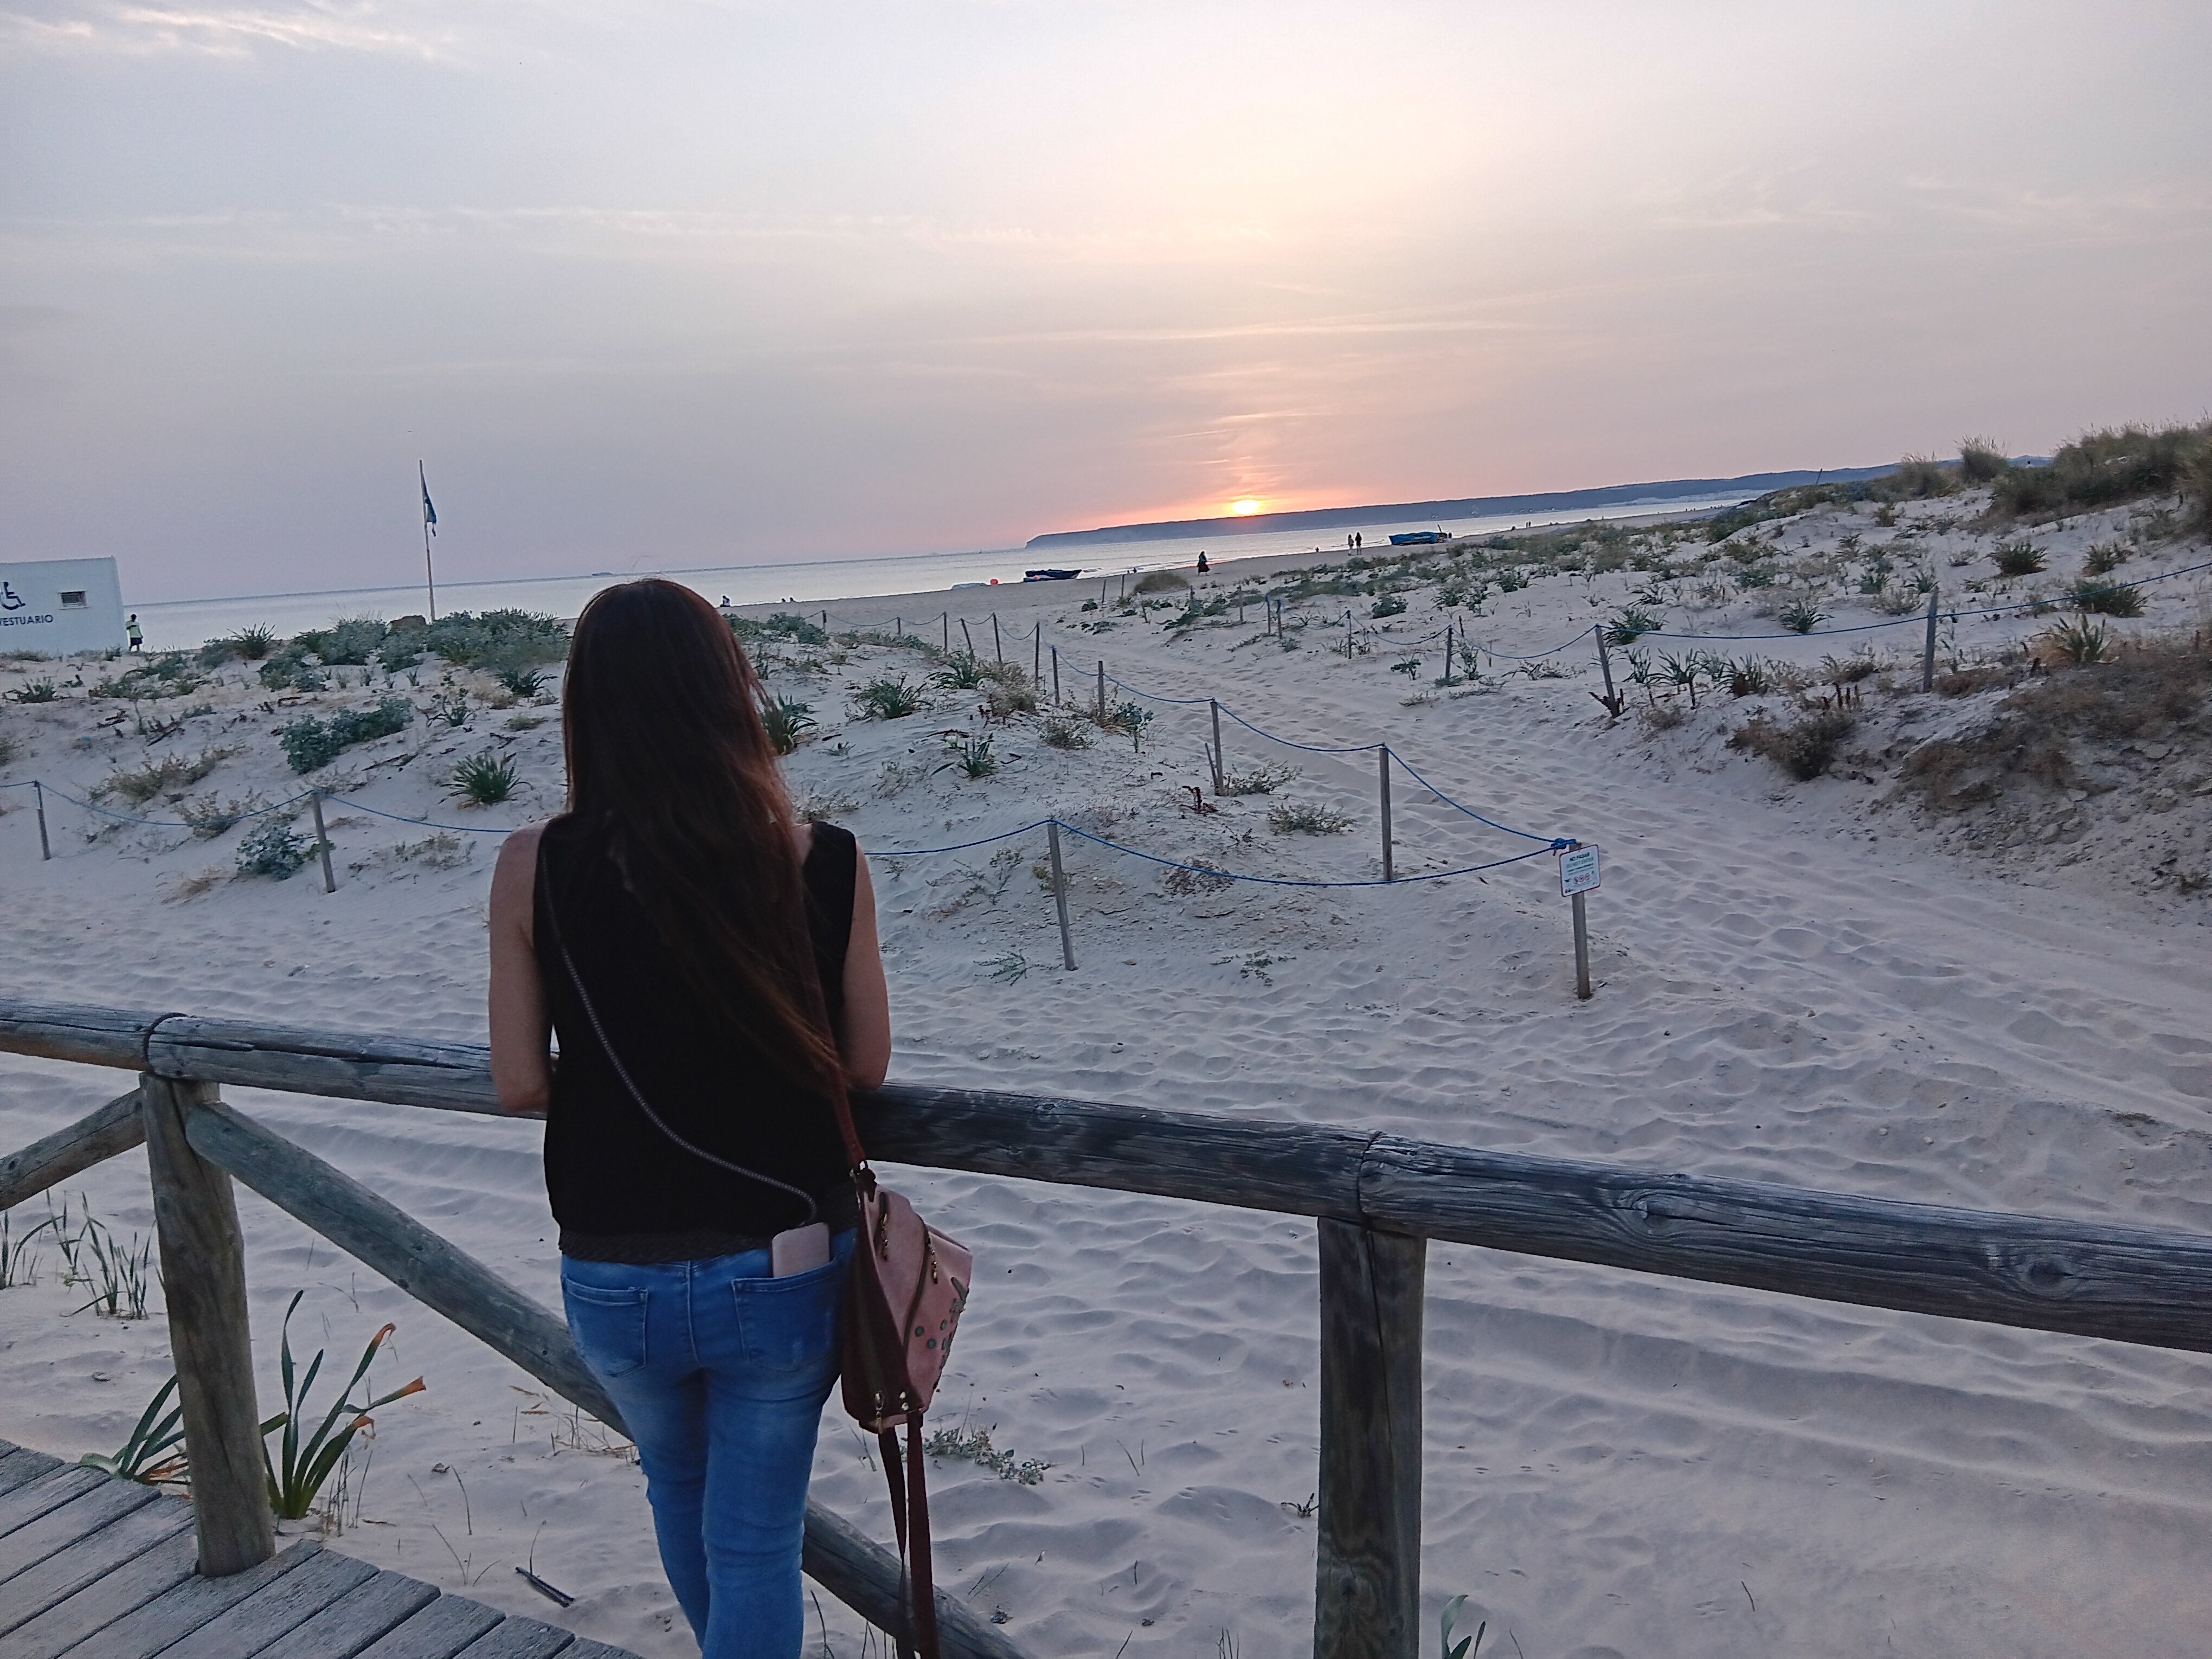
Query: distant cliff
[1474,506]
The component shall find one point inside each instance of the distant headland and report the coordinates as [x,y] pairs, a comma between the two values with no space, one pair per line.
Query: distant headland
[1474,506]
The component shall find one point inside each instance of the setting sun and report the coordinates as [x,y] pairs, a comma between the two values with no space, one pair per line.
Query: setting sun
[1245,508]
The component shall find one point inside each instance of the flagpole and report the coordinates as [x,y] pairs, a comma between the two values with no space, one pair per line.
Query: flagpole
[429,518]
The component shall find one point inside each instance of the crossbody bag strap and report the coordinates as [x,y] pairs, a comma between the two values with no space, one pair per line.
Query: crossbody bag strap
[600,1032]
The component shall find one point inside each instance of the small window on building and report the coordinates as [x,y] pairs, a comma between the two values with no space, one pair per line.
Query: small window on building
[73,599]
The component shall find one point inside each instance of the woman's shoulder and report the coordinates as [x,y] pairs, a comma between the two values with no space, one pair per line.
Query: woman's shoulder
[825,837]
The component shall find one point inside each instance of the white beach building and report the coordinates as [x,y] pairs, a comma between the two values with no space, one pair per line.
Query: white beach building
[59,606]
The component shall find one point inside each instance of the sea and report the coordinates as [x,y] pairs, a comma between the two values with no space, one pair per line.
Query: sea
[814,585]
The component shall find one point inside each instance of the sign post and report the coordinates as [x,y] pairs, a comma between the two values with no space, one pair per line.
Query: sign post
[1579,872]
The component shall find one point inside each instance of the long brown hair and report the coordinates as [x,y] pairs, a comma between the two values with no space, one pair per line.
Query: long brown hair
[667,757]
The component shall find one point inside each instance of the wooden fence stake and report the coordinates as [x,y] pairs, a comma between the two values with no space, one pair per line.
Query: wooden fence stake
[1382,754]
[1367,1558]
[1102,690]
[1927,649]
[38,794]
[1215,703]
[825,622]
[204,1277]
[967,636]
[898,628]
[322,841]
[1582,950]
[998,652]
[1059,895]
[1613,702]
[1055,677]
[946,622]
[1036,654]
[1347,635]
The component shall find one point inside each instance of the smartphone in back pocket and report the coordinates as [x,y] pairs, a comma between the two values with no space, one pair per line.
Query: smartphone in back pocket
[800,1251]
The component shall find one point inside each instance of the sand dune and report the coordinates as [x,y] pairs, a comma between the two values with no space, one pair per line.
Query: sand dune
[1795,985]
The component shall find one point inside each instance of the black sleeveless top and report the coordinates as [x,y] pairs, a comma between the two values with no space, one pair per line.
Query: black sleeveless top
[621,1190]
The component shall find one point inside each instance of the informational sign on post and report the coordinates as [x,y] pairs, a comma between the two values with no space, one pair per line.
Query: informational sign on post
[1578,870]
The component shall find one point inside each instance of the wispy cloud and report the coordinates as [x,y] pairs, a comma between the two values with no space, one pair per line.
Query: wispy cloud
[219,32]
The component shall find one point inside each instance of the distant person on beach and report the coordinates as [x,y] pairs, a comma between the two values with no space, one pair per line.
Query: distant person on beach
[130,632]
[710,964]
[1202,563]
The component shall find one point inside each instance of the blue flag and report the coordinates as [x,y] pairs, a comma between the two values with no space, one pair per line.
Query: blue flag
[430,513]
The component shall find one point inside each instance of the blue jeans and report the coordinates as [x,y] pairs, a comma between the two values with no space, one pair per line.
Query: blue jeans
[720,1372]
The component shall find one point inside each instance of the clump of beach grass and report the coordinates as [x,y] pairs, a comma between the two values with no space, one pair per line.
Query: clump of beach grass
[888,698]
[1296,819]
[484,780]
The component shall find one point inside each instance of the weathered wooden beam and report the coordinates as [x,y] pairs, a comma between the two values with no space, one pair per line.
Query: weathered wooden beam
[385,1238]
[1257,1163]
[456,1077]
[115,1127]
[860,1573]
[381,1236]
[2125,1284]
[90,1037]
[1367,1553]
[203,1278]
[2131,1284]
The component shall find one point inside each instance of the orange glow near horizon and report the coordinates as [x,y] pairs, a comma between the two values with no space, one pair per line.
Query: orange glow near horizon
[1246,508]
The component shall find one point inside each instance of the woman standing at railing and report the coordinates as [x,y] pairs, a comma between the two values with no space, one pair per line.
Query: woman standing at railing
[712,969]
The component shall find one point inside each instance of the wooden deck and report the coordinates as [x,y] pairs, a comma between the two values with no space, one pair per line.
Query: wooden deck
[98,1568]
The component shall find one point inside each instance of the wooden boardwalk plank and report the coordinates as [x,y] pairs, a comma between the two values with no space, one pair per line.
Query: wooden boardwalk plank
[588,1648]
[440,1631]
[262,1619]
[360,1617]
[27,1504]
[20,1467]
[63,1526]
[520,1638]
[98,1555]
[152,1627]
[100,1604]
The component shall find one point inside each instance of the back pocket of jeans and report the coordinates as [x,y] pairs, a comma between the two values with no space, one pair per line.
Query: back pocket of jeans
[791,1324]
[608,1326]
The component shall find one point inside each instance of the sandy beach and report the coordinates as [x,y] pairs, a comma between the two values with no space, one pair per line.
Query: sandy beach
[1833,982]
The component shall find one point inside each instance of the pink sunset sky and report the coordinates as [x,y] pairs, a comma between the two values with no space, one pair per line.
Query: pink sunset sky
[697,284]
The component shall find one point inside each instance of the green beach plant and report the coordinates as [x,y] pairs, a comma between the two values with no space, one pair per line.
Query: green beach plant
[1061,732]
[153,1454]
[2017,558]
[786,720]
[1631,625]
[1469,1647]
[2106,599]
[971,754]
[312,743]
[484,780]
[889,697]
[296,1474]
[41,690]
[274,849]
[1259,780]
[16,1267]
[1293,818]
[1802,616]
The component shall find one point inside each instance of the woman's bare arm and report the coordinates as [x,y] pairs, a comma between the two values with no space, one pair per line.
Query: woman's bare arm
[867,998]
[521,1029]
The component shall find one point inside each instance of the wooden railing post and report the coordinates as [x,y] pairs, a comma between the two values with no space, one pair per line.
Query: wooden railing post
[1367,1560]
[203,1278]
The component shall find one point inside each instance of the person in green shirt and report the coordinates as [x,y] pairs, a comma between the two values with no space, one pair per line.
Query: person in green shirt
[138,639]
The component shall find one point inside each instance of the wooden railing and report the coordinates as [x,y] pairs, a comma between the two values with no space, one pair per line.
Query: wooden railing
[1377,1199]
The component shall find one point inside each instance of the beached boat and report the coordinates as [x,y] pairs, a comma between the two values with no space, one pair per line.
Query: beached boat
[1416,537]
[1050,575]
